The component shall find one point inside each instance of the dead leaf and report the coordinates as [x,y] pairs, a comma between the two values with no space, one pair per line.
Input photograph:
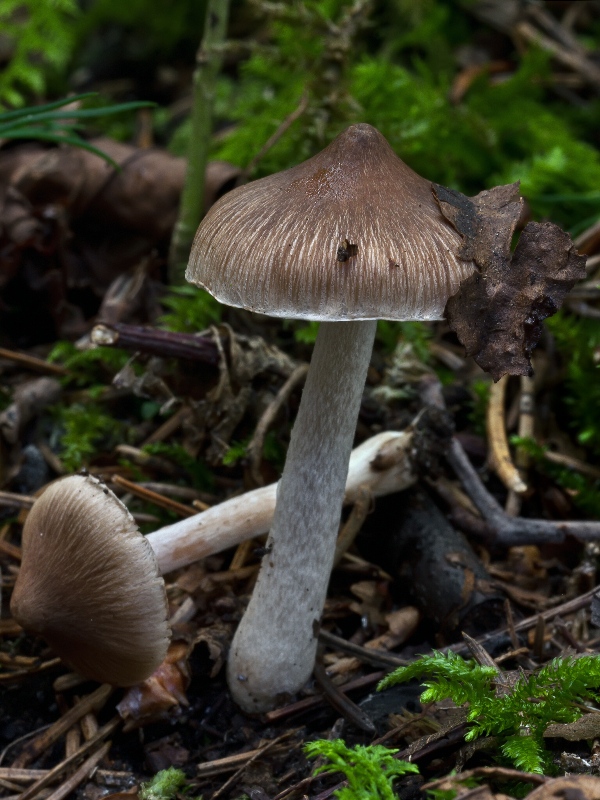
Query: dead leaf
[586,727]
[498,311]
[242,358]
[156,697]
[573,787]
[28,400]
[211,646]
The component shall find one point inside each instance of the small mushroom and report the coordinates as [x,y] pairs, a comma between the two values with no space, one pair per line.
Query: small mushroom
[348,237]
[89,583]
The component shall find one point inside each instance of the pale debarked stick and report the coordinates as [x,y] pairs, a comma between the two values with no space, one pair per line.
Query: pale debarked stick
[382,464]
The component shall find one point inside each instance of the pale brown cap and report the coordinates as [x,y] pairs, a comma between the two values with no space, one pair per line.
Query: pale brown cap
[352,233]
[89,584]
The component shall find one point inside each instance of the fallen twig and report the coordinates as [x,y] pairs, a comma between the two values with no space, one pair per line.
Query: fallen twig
[32,362]
[504,773]
[153,497]
[156,342]
[49,775]
[33,749]
[249,515]
[80,774]
[316,700]
[575,60]
[341,703]
[511,531]
[254,449]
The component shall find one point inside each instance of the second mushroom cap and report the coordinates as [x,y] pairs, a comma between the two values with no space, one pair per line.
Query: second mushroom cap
[89,583]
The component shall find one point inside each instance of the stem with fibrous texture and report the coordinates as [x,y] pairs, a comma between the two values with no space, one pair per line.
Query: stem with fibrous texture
[274,648]
[208,64]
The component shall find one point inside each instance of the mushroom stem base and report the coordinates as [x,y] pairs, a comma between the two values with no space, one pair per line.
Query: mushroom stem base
[274,648]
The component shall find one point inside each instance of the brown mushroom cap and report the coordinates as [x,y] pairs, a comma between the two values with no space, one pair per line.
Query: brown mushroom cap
[89,583]
[352,233]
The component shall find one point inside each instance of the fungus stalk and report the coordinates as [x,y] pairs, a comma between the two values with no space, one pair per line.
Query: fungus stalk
[274,648]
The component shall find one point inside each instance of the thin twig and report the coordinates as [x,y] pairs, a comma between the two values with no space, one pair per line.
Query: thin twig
[84,771]
[569,607]
[153,497]
[169,426]
[84,749]
[257,754]
[33,363]
[349,710]
[17,500]
[308,703]
[255,447]
[572,463]
[275,137]
[377,658]
[488,772]
[156,342]
[229,763]
[575,60]
[350,529]
[95,700]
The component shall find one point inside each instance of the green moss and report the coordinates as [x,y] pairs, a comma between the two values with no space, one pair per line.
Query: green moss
[578,342]
[165,785]
[191,310]
[83,430]
[369,770]
[518,716]
[41,35]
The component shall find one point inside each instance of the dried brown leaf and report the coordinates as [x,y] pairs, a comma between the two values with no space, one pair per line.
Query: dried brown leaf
[586,727]
[497,312]
[579,787]
[160,694]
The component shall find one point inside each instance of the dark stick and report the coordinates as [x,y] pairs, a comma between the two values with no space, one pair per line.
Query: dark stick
[511,531]
[506,531]
[156,342]
[349,710]
[531,622]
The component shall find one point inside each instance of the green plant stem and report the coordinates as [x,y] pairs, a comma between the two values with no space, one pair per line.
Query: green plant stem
[208,65]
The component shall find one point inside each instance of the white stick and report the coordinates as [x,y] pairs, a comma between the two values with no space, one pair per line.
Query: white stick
[251,514]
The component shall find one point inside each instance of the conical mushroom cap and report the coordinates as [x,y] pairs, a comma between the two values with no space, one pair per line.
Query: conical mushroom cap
[89,584]
[352,233]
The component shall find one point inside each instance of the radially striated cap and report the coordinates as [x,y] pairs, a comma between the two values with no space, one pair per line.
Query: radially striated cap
[352,233]
[89,583]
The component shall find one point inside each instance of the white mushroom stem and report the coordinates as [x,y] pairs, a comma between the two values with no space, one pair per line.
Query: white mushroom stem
[381,464]
[273,650]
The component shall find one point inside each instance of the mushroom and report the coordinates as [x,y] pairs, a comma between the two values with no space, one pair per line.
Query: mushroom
[348,237]
[89,581]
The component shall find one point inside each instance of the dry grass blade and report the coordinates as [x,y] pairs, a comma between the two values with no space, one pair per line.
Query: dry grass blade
[80,774]
[257,754]
[53,773]
[33,363]
[94,701]
[153,497]
[500,454]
